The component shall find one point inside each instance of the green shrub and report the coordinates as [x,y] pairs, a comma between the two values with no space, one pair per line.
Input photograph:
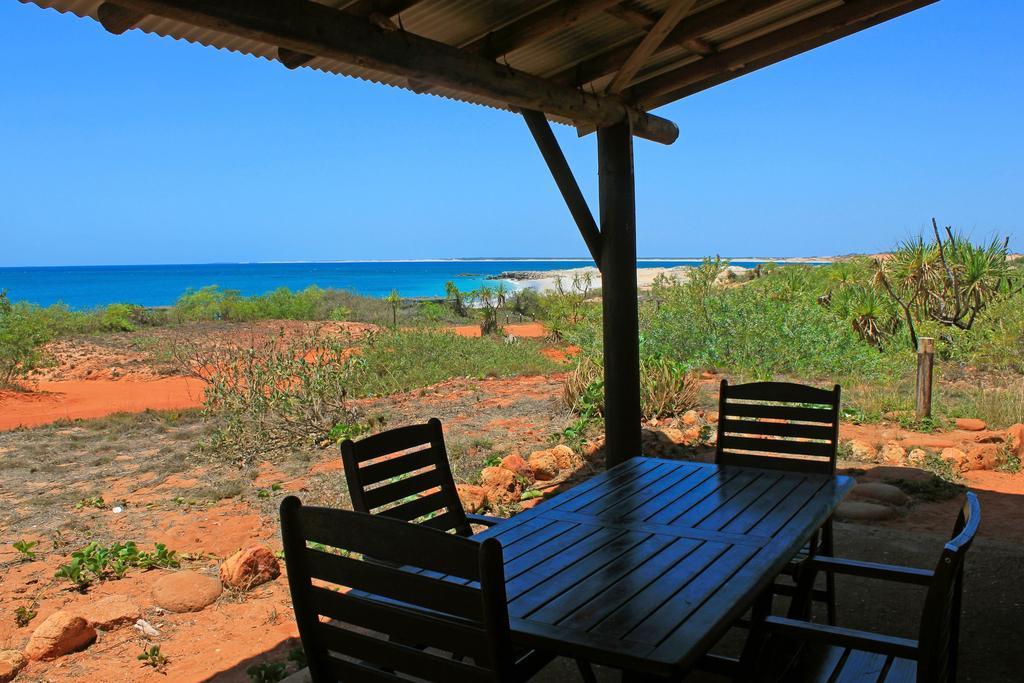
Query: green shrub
[21,340]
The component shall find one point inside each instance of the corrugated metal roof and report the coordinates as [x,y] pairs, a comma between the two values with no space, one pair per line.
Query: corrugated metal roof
[458,22]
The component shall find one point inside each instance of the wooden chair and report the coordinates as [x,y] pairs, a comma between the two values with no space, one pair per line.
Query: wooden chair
[798,431]
[830,653]
[414,486]
[357,617]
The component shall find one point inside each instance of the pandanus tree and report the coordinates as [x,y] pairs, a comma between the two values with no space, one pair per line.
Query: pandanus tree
[453,294]
[949,281]
[394,300]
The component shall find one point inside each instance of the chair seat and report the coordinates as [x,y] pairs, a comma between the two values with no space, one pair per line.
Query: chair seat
[823,663]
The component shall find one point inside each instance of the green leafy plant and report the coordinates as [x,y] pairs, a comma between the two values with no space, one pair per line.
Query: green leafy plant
[152,657]
[91,502]
[25,549]
[24,614]
[267,672]
[96,562]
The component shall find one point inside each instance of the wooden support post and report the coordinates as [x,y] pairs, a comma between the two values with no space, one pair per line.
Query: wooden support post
[619,295]
[925,360]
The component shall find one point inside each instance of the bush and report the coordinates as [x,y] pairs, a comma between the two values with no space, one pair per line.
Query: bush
[667,389]
[21,341]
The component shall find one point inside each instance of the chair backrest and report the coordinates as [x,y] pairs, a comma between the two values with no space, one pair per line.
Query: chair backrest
[377,619]
[939,636]
[778,425]
[404,473]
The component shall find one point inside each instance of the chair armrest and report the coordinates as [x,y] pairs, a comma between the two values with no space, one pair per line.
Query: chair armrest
[844,637]
[483,520]
[870,570]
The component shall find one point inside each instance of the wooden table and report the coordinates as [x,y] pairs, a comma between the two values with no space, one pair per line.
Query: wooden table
[645,566]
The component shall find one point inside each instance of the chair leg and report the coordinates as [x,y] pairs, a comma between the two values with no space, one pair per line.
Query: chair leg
[828,548]
[586,671]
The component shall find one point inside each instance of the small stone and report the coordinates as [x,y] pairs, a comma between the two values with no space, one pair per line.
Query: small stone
[970,424]
[544,466]
[691,417]
[862,451]
[691,435]
[11,662]
[250,567]
[893,454]
[146,628]
[956,458]
[857,511]
[712,417]
[674,435]
[185,591]
[881,493]
[61,633]
[515,463]
[917,457]
[566,457]
[983,457]
[501,485]
[111,612]
[473,498]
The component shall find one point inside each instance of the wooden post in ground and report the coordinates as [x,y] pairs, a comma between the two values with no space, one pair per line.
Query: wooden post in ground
[618,293]
[925,360]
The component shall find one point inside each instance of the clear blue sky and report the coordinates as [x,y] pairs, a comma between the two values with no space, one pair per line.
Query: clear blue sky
[138,149]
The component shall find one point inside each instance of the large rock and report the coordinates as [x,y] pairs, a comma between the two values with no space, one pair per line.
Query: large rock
[61,633]
[881,493]
[691,417]
[956,459]
[566,457]
[544,465]
[1015,439]
[674,435]
[860,511]
[984,456]
[185,591]
[473,498]
[111,612]
[502,486]
[11,662]
[893,454]
[970,424]
[712,417]
[250,567]
[515,463]
[863,451]
[917,457]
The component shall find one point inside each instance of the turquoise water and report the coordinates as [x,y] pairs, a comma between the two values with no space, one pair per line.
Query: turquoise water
[84,287]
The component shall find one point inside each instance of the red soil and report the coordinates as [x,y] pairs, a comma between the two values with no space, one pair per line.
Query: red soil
[532,330]
[84,399]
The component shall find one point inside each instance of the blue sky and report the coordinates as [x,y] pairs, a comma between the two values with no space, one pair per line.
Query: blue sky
[138,149]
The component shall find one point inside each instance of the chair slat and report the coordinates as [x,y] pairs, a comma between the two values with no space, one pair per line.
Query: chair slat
[392,539]
[463,638]
[781,391]
[395,466]
[414,509]
[392,441]
[739,443]
[768,461]
[799,431]
[800,413]
[353,672]
[399,657]
[403,488]
[398,584]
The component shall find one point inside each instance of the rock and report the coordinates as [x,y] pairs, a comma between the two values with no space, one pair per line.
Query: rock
[956,458]
[11,662]
[1015,439]
[861,450]
[970,424]
[250,567]
[917,457]
[146,628]
[881,493]
[691,417]
[111,612]
[691,436]
[990,437]
[515,463]
[712,417]
[566,457]
[983,457]
[531,503]
[185,591]
[674,435]
[544,466]
[858,511]
[893,454]
[61,633]
[473,498]
[501,485]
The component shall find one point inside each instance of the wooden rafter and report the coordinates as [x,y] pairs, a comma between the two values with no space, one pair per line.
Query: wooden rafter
[675,13]
[696,25]
[792,39]
[314,29]
[557,16]
[116,19]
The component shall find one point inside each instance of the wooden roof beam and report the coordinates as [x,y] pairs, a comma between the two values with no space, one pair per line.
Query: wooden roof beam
[675,13]
[557,16]
[821,28]
[308,27]
[117,19]
[692,27]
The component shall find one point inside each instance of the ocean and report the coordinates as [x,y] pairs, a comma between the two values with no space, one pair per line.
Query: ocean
[85,287]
